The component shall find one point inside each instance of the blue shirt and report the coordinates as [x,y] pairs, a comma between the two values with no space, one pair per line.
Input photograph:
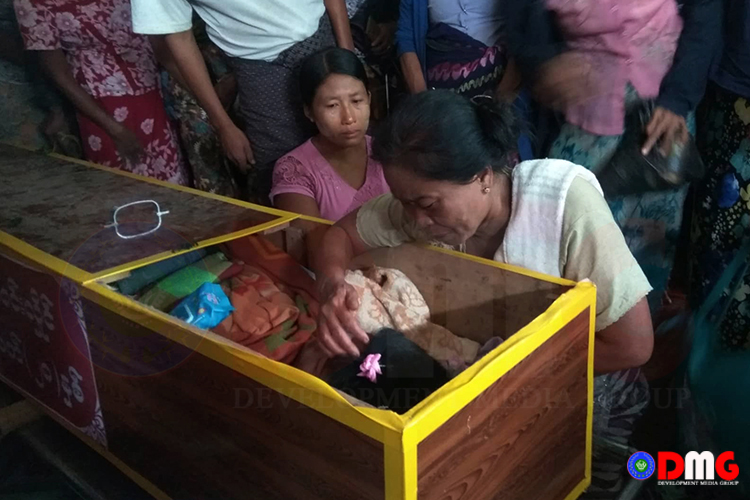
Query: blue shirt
[480,19]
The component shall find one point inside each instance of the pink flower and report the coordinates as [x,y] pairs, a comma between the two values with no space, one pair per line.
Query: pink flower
[95,143]
[67,21]
[122,38]
[159,164]
[25,13]
[120,16]
[370,368]
[147,126]
[121,114]
[90,10]
[41,37]
[116,84]
[140,169]
[96,62]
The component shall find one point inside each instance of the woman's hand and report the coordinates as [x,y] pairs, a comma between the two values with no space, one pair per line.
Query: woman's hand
[382,36]
[666,128]
[236,146]
[128,145]
[338,328]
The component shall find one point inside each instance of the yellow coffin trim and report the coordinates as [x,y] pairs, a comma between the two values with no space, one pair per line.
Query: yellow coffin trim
[401,471]
[507,267]
[590,416]
[20,250]
[580,488]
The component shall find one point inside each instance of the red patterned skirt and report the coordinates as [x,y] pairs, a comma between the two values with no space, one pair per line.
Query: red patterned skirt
[145,116]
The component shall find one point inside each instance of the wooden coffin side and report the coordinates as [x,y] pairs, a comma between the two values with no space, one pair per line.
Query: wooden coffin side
[201,430]
[522,438]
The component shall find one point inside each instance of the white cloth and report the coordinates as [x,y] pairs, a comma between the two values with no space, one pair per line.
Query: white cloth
[534,234]
[248,29]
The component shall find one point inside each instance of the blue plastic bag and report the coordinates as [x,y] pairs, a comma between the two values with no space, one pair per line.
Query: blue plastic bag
[205,308]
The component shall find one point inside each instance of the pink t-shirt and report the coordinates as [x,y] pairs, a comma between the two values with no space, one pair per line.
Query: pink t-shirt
[305,171]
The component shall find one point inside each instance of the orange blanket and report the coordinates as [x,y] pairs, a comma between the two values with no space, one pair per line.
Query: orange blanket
[275,310]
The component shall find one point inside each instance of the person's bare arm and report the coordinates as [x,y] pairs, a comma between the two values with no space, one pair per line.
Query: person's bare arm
[164,56]
[413,74]
[340,245]
[331,257]
[297,203]
[189,60]
[510,84]
[55,64]
[340,22]
[628,343]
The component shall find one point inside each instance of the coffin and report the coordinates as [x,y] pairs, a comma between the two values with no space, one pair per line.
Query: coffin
[190,415]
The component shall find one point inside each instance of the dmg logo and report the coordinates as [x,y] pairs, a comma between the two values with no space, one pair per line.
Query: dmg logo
[698,468]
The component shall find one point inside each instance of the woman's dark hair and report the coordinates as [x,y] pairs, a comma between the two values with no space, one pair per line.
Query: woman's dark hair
[441,135]
[319,66]
[409,374]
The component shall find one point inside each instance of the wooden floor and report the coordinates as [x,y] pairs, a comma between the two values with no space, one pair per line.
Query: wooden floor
[43,461]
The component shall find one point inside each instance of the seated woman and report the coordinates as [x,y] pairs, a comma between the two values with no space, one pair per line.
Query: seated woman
[446,160]
[331,174]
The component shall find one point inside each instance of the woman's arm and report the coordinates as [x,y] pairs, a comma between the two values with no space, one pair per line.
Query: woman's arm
[406,46]
[337,323]
[510,84]
[192,67]
[595,249]
[338,247]
[413,74]
[164,57]
[378,223]
[340,22]
[628,343]
[297,203]
[685,83]
[55,64]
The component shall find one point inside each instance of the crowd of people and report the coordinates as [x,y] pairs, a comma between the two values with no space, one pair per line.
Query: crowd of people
[276,102]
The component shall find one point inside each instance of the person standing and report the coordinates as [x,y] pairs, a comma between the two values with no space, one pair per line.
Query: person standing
[35,114]
[265,40]
[451,44]
[594,60]
[110,75]
[721,215]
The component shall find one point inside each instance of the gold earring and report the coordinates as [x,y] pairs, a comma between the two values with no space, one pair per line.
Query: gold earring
[486,190]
